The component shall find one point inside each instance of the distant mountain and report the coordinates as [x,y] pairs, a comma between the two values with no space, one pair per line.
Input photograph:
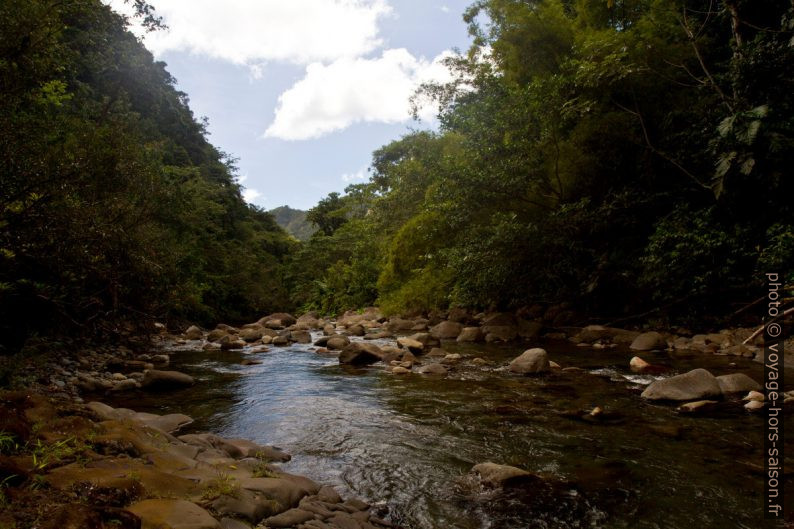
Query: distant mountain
[294,221]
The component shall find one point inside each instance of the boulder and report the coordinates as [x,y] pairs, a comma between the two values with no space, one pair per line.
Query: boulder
[356,330]
[697,384]
[252,334]
[337,342]
[360,353]
[216,334]
[172,514]
[193,333]
[431,369]
[737,383]
[399,370]
[648,341]
[414,346]
[281,319]
[446,330]
[156,379]
[399,324]
[301,336]
[437,352]
[638,365]
[495,475]
[470,334]
[500,327]
[309,320]
[531,361]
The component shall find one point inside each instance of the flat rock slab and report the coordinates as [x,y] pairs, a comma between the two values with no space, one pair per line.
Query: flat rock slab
[172,514]
[697,384]
[289,518]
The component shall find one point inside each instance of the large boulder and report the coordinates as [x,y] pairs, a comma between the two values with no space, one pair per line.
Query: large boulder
[446,330]
[648,341]
[278,319]
[156,379]
[309,320]
[470,334]
[301,336]
[531,361]
[172,514]
[737,383]
[251,334]
[697,384]
[360,353]
[337,342]
[500,327]
[193,333]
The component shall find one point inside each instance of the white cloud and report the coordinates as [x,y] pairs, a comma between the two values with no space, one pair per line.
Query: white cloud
[445,9]
[358,176]
[249,195]
[257,31]
[352,90]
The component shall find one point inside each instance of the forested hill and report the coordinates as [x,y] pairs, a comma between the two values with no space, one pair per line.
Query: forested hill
[113,205]
[627,157]
[294,222]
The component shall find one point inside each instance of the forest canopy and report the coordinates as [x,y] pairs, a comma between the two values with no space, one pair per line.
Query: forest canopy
[113,205]
[618,155]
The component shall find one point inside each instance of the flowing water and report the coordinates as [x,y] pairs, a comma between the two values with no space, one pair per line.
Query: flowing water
[406,443]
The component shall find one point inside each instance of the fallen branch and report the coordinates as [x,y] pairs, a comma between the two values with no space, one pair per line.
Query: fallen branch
[762,327]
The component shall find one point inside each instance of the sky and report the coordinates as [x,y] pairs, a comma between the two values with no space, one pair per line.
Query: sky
[302,92]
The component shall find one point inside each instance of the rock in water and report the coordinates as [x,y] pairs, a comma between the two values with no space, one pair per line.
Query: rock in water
[531,361]
[446,330]
[360,353]
[337,342]
[432,369]
[695,385]
[737,383]
[193,333]
[648,341]
[495,475]
[470,334]
[156,379]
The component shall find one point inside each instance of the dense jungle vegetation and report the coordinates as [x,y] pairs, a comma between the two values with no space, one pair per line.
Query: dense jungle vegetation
[617,155]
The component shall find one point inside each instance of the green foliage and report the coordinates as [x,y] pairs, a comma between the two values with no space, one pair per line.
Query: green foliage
[113,205]
[294,222]
[621,155]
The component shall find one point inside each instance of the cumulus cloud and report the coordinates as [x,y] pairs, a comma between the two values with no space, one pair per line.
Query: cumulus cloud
[352,90]
[249,195]
[358,176]
[256,31]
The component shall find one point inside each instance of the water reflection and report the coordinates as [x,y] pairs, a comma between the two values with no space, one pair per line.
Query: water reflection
[408,442]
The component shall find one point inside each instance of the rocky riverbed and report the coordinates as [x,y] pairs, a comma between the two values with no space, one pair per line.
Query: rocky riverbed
[466,369]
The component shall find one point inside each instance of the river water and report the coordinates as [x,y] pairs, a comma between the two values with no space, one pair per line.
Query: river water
[406,443]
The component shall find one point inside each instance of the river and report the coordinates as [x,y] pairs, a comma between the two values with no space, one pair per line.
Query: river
[406,443]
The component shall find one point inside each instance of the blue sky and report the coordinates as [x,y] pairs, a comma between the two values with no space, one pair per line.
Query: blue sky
[302,91]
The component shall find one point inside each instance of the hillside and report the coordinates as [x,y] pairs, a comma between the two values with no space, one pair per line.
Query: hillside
[294,222]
